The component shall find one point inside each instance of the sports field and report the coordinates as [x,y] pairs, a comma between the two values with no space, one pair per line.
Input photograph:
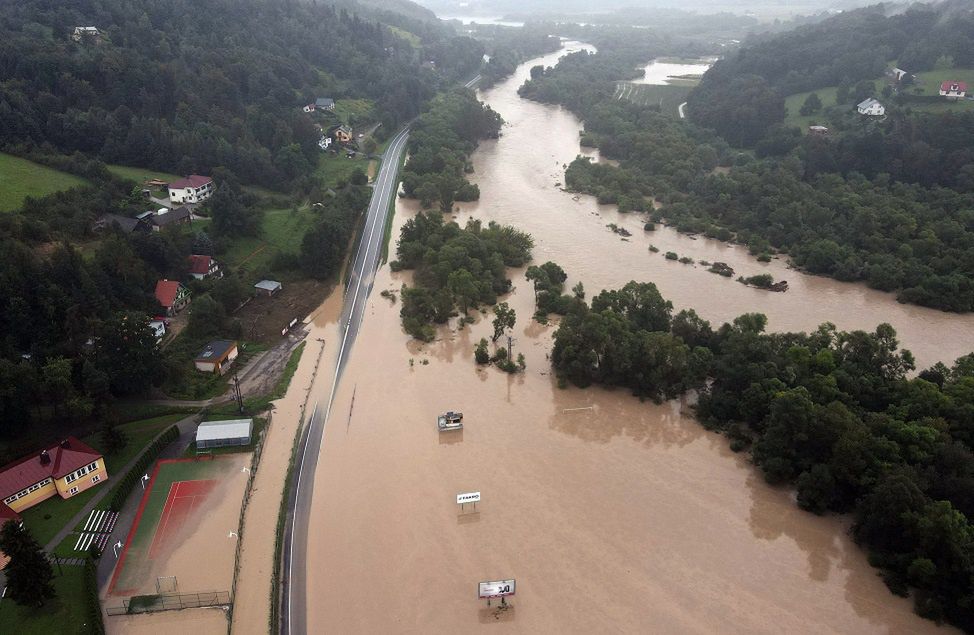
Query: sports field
[184,535]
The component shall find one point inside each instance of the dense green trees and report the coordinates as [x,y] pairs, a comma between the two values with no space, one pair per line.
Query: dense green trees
[439,146]
[185,85]
[323,247]
[29,572]
[454,266]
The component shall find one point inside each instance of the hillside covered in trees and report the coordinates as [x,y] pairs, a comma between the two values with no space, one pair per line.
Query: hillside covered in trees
[186,86]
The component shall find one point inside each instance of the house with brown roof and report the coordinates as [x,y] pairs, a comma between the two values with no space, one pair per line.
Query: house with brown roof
[203,267]
[65,469]
[172,296]
[166,217]
[192,189]
[216,357]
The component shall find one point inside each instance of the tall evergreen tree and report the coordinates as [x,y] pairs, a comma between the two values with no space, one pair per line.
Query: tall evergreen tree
[29,572]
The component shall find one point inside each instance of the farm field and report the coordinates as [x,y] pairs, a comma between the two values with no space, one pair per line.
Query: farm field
[667,96]
[20,178]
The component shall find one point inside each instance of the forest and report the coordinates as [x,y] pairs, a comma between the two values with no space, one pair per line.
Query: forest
[454,268]
[835,414]
[440,144]
[185,86]
[887,203]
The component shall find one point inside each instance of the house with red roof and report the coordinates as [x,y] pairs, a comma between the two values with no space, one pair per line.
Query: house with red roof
[203,267]
[65,469]
[193,189]
[953,89]
[172,296]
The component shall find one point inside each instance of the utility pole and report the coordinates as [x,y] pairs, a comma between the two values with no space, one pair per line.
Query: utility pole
[236,392]
[510,348]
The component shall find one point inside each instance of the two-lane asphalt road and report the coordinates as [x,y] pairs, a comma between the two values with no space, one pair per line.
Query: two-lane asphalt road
[362,275]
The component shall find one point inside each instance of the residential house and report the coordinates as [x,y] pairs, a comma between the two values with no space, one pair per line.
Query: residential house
[343,134]
[172,296]
[819,131]
[871,108]
[324,142]
[325,103]
[124,223]
[158,328]
[166,217]
[65,469]
[268,287]
[897,74]
[203,267]
[193,189]
[953,89]
[308,108]
[87,33]
[216,357]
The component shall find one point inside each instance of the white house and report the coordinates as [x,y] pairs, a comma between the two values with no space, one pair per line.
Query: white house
[953,90]
[871,108]
[201,266]
[85,32]
[158,328]
[898,74]
[324,143]
[193,189]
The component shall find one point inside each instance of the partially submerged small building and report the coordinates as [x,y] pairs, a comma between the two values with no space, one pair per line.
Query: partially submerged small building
[216,357]
[223,434]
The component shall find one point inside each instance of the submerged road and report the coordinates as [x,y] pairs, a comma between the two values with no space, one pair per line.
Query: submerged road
[361,277]
[362,274]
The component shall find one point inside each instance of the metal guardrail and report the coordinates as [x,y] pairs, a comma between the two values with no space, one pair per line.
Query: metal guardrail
[169,602]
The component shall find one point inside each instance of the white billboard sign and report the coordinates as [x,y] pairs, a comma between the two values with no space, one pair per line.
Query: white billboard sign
[496,589]
[468,497]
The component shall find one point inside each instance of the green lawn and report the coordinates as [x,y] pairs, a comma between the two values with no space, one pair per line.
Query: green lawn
[140,175]
[64,614]
[46,519]
[412,38]
[667,96]
[793,104]
[282,232]
[20,178]
[355,112]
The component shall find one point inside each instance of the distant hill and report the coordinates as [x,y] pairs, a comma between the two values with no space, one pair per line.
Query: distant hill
[186,85]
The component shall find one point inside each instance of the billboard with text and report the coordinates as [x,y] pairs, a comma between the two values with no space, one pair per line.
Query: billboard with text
[496,588]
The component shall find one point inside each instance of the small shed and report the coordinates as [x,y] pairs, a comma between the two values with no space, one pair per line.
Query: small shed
[268,287]
[222,434]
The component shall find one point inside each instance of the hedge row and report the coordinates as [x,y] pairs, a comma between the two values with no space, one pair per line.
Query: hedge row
[132,477]
[95,624]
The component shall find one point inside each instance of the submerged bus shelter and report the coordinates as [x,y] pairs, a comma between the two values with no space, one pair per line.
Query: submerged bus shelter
[222,434]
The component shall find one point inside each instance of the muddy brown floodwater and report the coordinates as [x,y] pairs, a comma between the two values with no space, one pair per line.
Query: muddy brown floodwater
[613,515]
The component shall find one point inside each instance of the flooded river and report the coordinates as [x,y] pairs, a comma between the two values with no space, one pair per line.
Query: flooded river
[613,515]
[671,71]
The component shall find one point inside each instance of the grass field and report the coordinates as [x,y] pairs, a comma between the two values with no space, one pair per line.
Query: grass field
[64,614]
[667,96]
[793,104]
[281,232]
[20,178]
[46,519]
[355,112]
[412,38]
[140,175]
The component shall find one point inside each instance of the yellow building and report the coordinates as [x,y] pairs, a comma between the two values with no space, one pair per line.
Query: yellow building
[66,469]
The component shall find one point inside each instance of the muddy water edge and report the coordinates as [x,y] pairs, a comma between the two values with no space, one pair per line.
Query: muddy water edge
[613,515]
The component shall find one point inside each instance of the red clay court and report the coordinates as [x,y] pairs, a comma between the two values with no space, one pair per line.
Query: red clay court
[174,496]
[184,498]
